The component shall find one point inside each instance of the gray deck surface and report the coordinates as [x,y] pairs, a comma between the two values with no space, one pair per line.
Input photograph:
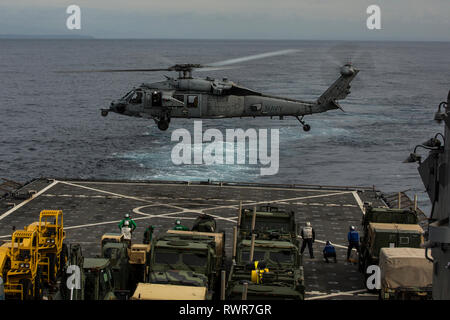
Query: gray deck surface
[92,208]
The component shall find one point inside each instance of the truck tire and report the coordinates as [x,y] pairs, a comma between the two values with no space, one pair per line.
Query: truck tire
[62,258]
[38,285]
[51,267]
[27,289]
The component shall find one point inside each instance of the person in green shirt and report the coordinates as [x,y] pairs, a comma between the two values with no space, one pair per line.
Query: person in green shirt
[179,226]
[130,221]
[148,234]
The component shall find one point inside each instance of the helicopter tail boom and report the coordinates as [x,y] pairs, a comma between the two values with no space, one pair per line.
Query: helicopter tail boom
[339,89]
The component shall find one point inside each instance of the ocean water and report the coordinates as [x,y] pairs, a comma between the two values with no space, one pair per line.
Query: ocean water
[50,123]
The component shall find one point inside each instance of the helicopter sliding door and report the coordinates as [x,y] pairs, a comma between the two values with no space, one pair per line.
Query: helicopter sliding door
[193,104]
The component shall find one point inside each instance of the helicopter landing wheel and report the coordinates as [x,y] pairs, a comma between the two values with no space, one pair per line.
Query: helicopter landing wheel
[306,127]
[163,125]
[104,113]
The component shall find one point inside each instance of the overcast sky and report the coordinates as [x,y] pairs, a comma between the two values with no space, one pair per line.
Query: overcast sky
[232,19]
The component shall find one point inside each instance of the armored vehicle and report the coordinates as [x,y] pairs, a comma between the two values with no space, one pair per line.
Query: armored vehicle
[405,274]
[388,235]
[276,271]
[187,258]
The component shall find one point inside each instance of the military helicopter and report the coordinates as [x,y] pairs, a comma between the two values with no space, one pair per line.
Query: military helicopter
[188,97]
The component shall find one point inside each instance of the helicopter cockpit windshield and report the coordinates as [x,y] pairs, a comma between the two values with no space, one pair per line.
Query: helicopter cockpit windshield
[136,97]
[128,95]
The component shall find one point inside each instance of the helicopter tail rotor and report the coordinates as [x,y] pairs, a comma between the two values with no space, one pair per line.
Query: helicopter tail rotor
[339,89]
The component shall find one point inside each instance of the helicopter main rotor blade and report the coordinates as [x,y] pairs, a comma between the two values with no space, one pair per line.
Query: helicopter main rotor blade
[252,57]
[115,70]
[220,65]
[208,68]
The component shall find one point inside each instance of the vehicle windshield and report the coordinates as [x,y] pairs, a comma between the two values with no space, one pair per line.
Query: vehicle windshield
[195,259]
[181,260]
[284,256]
[257,256]
[162,257]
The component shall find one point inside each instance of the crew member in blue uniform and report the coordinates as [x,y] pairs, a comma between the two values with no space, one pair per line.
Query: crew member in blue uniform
[353,241]
[329,252]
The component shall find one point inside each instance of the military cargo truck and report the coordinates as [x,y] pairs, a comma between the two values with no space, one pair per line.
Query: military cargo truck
[187,258]
[388,215]
[276,271]
[267,260]
[270,223]
[127,262]
[387,235]
[371,243]
[405,274]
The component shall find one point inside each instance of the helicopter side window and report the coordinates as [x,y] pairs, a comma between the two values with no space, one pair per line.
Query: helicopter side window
[192,102]
[136,98]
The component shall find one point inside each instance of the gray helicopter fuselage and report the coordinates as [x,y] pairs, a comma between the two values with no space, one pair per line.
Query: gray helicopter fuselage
[188,97]
[208,98]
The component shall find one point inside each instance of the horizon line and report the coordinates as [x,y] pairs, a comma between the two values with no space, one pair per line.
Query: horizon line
[90,37]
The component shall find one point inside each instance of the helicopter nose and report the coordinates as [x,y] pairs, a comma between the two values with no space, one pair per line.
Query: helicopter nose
[117,107]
